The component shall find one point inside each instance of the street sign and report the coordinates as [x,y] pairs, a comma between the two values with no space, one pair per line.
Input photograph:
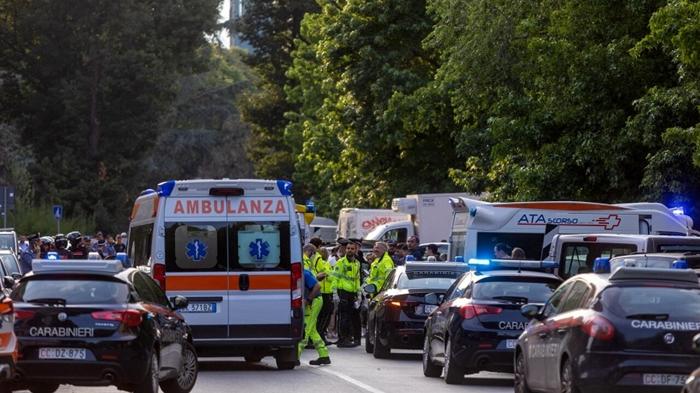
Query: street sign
[58,212]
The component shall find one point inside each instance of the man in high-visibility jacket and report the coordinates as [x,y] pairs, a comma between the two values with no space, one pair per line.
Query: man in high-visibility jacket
[346,277]
[381,267]
[314,303]
[323,270]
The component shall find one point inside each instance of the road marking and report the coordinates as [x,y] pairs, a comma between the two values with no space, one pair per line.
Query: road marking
[351,380]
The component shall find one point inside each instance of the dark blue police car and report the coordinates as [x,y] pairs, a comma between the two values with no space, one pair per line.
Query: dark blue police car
[478,321]
[628,331]
[92,323]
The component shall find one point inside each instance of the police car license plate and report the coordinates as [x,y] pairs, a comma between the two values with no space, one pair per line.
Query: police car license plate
[510,344]
[425,309]
[62,353]
[663,379]
[200,307]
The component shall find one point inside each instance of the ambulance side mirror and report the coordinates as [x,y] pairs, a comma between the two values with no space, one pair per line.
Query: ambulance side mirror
[370,288]
[696,343]
[531,311]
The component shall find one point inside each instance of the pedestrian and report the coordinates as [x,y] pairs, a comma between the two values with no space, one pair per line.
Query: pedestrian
[381,267]
[501,251]
[314,303]
[518,253]
[432,251]
[413,249]
[120,245]
[26,253]
[346,277]
[401,252]
[323,272]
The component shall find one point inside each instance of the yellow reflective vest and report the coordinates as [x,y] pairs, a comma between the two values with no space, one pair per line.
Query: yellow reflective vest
[346,275]
[380,271]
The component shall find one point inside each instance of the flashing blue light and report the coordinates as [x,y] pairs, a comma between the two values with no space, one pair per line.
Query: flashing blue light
[285,187]
[410,258]
[459,258]
[601,265]
[52,256]
[472,211]
[121,256]
[678,211]
[679,264]
[550,264]
[147,191]
[310,206]
[166,188]
[479,262]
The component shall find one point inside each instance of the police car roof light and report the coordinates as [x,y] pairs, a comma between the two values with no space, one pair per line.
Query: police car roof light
[166,188]
[679,264]
[226,191]
[478,262]
[285,187]
[678,211]
[410,258]
[601,265]
[459,258]
[77,265]
[653,274]
[52,256]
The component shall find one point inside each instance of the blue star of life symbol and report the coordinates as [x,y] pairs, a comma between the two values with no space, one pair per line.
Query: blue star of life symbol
[259,249]
[196,250]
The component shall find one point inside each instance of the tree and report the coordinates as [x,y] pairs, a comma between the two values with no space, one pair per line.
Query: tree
[88,82]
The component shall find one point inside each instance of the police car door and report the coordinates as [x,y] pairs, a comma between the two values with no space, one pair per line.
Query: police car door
[259,268]
[196,259]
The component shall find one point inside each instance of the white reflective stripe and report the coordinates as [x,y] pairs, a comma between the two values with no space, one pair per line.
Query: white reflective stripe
[351,380]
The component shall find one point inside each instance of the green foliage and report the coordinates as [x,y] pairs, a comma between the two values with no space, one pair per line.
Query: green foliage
[27,218]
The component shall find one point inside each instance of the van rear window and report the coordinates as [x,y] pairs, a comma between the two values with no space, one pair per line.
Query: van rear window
[234,246]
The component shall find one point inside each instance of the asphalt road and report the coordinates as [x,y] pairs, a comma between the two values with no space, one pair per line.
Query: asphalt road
[352,371]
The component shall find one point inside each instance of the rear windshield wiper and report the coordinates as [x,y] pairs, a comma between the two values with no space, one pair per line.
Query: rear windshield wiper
[514,299]
[649,316]
[49,301]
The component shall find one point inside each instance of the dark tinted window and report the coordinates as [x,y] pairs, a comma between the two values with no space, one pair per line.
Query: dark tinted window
[148,290]
[459,287]
[72,291]
[7,241]
[389,282]
[9,263]
[531,243]
[529,289]
[429,279]
[574,299]
[553,304]
[140,238]
[678,248]
[676,303]
[578,257]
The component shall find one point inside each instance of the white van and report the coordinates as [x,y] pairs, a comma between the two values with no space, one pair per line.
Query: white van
[576,253]
[477,226]
[233,248]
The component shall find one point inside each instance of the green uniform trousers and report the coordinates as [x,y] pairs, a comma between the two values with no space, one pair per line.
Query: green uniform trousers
[310,332]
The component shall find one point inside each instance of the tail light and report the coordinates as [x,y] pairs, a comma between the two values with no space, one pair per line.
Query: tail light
[296,286]
[6,310]
[128,318]
[23,315]
[159,274]
[472,310]
[598,328]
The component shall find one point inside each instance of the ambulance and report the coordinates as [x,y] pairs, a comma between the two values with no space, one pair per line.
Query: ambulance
[233,248]
[478,226]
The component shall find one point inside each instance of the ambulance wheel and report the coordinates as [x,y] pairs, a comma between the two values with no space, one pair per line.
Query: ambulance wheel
[43,387]
[430,369]
[287,359]
[381,351]
[450,371]
[285,365]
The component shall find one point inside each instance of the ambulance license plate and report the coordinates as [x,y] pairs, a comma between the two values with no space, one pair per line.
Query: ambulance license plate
[62,353]
[200,308]
[664,379]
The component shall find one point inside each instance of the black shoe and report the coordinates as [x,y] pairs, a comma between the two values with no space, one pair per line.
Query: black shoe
[297,363]
[320,361]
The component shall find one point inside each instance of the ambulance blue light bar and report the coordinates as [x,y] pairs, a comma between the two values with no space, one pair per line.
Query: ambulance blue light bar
[166,188]
[679,264]
[601,265]
[285,187]
[510,264]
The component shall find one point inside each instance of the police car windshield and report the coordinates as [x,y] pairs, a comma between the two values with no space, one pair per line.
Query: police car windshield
[428,279]
[72,291]
[649,302]
[515,289]
[7,242]
[9,263]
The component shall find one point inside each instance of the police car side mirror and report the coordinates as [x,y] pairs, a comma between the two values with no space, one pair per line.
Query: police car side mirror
[180,302]
[370,288]
[16,276]
[433,299]
[696,343]
[531,311]
[8,282]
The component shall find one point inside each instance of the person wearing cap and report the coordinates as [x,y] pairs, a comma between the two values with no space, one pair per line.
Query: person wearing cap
[381,267]
[346,278]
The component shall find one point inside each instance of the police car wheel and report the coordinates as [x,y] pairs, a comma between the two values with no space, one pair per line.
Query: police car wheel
[520,375]
[150,382]
[451,372]
[43,388]
[369,347]
[188,375]
[430,369]
[381,351]
[252,358]
[566,378]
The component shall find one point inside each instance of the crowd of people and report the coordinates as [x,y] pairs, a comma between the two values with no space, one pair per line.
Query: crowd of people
[334,280]
[73,245]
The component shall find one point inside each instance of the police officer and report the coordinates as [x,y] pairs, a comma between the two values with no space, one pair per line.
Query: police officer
[381,267]
[314,302]
[347,282]
[322,269]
